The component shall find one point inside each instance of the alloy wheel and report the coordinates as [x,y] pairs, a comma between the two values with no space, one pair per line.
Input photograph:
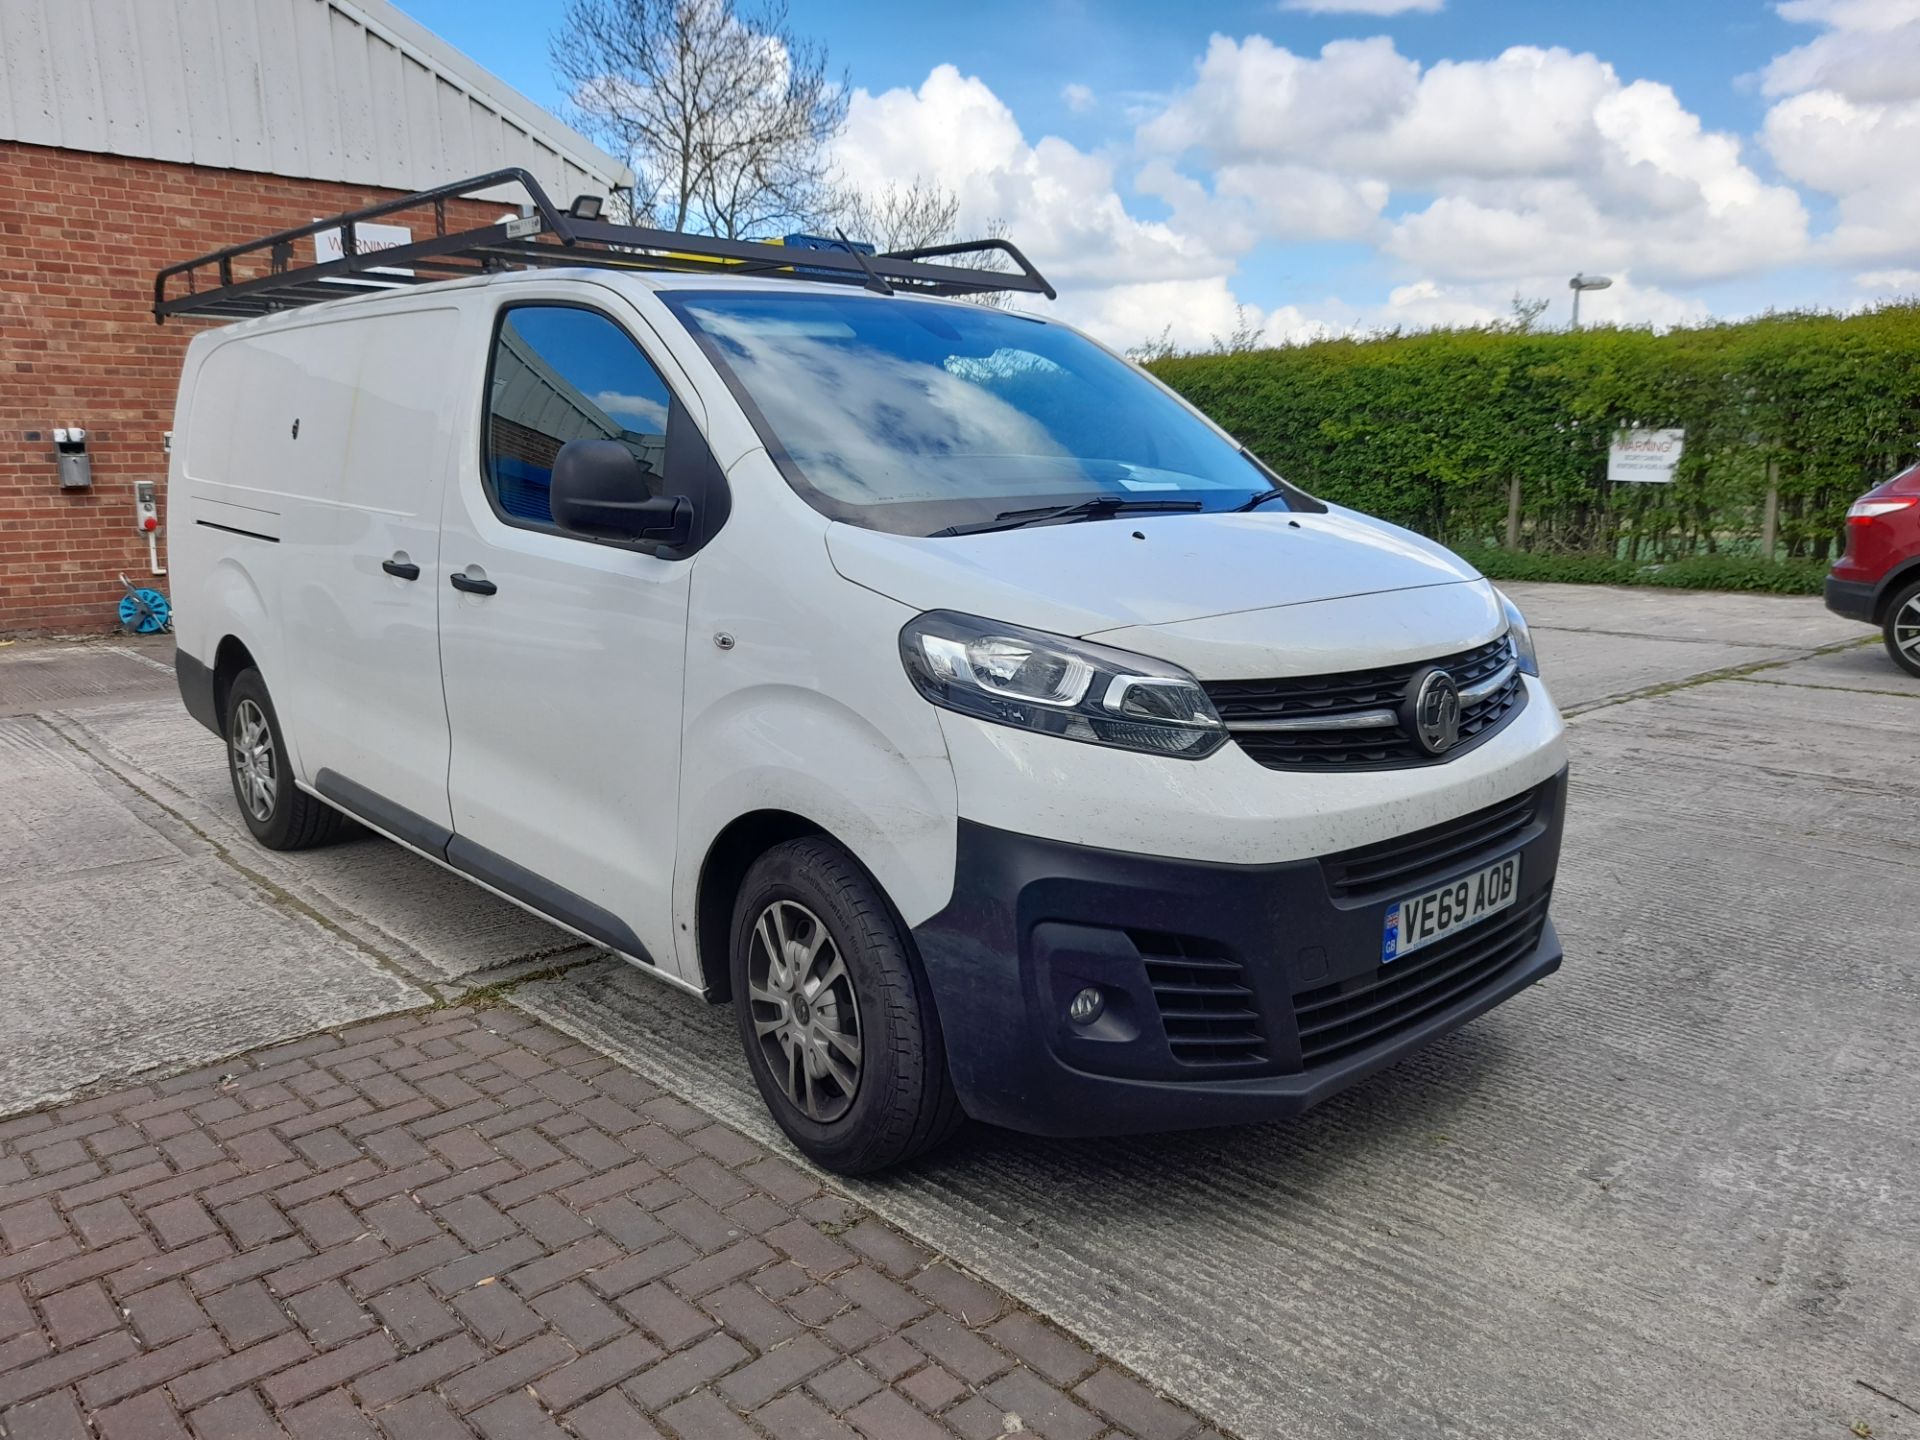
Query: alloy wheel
[806,1016]
[256,775]
[1906,629]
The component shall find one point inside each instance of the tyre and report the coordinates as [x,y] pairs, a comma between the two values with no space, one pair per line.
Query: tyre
[1903,629]
[838,1025]
[280,814]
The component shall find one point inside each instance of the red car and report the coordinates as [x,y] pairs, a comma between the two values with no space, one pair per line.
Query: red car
[1878,579]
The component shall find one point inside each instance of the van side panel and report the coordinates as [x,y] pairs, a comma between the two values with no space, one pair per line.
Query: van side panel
[309,455]
[222,539]
[789,718]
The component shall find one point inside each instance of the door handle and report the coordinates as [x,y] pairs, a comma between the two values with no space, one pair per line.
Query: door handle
[401,569]
[466,583]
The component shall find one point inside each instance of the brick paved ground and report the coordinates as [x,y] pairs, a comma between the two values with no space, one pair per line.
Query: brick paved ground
[461,1223]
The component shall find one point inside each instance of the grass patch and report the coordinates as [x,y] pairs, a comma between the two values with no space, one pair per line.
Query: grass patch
[487,997]
[1696,572]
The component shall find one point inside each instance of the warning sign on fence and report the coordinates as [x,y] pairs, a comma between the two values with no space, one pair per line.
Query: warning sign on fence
[1647,456]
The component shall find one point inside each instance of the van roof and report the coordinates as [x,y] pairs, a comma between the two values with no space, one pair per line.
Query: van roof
[258,277]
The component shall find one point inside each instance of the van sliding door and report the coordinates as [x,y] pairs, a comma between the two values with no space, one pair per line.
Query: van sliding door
[367,421]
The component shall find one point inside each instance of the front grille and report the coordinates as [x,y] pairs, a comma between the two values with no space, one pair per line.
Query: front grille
[1405,860]
[1318,703]
[1206,1007]
[1336,1019]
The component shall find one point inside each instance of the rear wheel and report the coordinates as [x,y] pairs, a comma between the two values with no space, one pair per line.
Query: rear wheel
[1903,629]
[280,814]
[839,1029]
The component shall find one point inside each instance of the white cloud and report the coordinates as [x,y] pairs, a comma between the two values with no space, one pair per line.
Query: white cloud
[1427,303]
[1365,7]
[640,411]
[1846,121]
[1864,64]
[1467,180]
[1121,277]
[1535,161]
[1889,282]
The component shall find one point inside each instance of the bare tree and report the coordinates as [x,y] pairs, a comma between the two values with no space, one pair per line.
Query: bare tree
[724,114]
[901,217]
[920,213]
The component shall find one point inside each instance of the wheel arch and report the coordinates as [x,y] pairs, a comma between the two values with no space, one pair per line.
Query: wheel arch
[725,865]
[1891,586]
[230,657]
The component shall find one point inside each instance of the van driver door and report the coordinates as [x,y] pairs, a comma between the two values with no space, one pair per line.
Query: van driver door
[562,656]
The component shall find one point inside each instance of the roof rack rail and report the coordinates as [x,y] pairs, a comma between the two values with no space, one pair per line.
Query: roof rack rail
[260,276]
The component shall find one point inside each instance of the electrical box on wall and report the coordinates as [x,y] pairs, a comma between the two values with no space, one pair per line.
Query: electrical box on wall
[146,512]
[70,453]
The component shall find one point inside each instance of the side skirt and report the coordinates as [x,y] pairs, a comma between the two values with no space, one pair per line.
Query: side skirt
[492,873]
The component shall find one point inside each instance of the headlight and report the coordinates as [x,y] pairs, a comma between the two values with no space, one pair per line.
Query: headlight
[1035,681]
[1521,636]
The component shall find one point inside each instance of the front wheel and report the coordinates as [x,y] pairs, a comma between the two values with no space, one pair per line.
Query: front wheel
[839,1029]
[1903,629]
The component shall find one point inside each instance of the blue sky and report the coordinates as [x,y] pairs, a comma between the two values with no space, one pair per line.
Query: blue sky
[1391,162]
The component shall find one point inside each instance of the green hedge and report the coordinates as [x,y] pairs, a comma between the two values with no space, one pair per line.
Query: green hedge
[1695,572]
[1428,430]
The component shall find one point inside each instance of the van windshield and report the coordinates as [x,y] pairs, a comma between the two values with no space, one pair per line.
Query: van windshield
[919,418]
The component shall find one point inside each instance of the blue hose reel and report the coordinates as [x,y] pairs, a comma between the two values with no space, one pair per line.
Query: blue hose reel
[143,611]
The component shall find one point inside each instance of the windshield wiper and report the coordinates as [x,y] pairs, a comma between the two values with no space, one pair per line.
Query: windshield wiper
[1099,508]
[1265,495]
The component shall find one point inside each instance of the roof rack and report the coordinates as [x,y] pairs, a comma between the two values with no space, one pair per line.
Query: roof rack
[260,276]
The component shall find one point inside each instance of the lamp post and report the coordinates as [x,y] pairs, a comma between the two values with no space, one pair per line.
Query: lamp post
[1585,282]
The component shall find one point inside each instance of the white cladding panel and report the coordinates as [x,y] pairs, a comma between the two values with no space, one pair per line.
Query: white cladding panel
[344,90]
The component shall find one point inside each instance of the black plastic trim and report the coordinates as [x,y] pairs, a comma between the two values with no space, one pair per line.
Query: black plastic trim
[236,530]
[480,863]
[378,811]
[1852,598]
[1032,921]
[196,691]
[563,905]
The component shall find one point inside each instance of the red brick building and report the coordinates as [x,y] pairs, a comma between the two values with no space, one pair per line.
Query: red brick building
[130,140]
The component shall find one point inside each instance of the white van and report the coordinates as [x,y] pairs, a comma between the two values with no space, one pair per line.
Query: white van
[985,725]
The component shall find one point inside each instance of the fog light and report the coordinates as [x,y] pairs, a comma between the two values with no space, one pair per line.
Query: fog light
[1085,1007]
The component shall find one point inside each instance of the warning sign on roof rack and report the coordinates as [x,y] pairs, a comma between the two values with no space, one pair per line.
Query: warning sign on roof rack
[327,245]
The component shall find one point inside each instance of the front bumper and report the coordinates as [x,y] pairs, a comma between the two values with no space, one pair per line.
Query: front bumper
[1286,956]
[1851,598]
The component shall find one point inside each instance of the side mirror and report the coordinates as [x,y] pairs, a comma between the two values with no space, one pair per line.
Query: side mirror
[601,489]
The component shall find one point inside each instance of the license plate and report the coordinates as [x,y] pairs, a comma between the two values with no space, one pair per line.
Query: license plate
[1422,919]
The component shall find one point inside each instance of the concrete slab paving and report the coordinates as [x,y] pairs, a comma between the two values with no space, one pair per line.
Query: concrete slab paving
[1597,642]
[431,922]
[38,675]
[1588,667]
[1862,667]
[1771,622]
[60,816]
[126,944]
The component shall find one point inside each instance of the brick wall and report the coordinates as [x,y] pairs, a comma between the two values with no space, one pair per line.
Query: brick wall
[81,236]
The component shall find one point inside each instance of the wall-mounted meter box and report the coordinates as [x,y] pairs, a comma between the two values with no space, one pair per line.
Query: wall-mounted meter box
[70,452]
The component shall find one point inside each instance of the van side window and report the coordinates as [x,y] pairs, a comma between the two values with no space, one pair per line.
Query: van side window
[561,373]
